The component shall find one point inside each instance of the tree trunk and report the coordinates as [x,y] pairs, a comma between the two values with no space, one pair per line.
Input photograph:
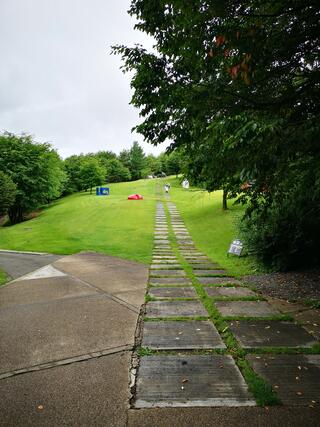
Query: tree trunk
[15,215]
[224,200]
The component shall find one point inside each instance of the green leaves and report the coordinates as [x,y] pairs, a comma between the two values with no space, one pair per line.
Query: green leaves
[35,169]
[8,191]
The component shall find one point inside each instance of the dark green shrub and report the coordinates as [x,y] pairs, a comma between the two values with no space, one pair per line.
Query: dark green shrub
[285,234]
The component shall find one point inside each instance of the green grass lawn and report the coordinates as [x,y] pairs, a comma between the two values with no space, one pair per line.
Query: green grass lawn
[116,226]
[3,277]
[211,228]
[83,222]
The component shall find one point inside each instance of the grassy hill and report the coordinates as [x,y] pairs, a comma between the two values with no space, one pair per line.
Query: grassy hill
[111,225]
[116,226]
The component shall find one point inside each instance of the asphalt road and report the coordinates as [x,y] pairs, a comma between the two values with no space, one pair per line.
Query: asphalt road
[17,264]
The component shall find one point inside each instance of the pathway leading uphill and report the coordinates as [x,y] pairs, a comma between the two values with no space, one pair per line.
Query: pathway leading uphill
[208,340]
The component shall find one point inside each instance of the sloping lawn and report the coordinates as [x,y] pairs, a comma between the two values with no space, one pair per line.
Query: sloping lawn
[82,222]
[116,226]
[211,228]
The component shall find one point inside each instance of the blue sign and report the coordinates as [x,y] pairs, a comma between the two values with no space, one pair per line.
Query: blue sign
[102,191]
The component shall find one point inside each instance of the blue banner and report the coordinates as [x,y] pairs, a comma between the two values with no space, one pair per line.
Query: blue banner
[102,191]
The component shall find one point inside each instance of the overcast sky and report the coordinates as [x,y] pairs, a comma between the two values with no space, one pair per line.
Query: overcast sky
[58,80]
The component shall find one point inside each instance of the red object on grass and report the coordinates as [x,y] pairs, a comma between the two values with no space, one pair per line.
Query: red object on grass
[135,197]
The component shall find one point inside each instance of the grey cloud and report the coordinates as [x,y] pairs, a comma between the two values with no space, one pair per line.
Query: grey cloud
[58,80]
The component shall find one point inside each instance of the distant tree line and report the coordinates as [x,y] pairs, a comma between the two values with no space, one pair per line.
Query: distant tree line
[33,174]
[84,171]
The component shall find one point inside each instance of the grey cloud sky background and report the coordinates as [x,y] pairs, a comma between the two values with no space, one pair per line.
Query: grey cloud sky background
[58,80]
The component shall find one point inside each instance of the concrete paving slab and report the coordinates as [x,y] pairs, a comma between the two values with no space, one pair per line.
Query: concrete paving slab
[32,334]
[181,335]
[161,242]
[203,266]
[310,320]
[295,377]
[168,273]
[170,281]
[246,308]
[42,290]
[273,416]
[193,253]
[17,264]
[251,334]
[195,258]
[90,393]
[286,306]
[213,272]
[173,292]
[110,274]
[217,280]
[166,266]
[229,291]
[164,257]
[175,308]
[190,381]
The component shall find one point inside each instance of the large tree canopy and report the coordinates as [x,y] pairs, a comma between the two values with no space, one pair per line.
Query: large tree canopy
[220,58]
[236,85]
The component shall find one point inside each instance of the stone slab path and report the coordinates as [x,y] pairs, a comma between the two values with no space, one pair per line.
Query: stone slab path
[189,317]
[183,381]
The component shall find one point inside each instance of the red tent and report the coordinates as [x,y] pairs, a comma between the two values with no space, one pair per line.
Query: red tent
[135,197]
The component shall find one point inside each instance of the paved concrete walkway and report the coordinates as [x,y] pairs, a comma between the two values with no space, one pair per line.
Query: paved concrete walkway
[66,335]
